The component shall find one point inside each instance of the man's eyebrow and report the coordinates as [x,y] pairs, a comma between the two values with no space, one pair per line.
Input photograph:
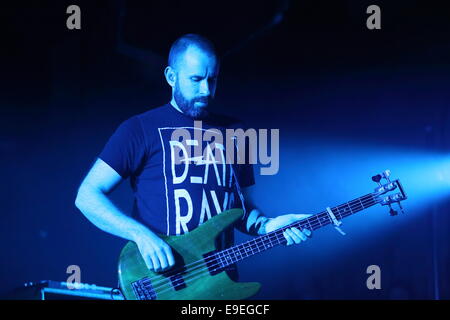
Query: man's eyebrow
[203,77]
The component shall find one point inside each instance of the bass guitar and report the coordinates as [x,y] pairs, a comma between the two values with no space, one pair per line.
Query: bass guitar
[199,270]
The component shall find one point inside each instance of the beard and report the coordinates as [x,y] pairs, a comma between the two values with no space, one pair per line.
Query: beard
[188,106]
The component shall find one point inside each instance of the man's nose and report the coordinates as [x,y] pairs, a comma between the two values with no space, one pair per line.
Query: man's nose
[204,88]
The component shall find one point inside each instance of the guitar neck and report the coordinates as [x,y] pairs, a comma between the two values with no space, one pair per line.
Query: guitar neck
[274,238]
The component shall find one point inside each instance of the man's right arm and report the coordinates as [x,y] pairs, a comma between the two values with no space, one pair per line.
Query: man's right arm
[93,202]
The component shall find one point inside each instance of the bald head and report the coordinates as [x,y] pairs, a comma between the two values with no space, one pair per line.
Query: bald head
[190,41]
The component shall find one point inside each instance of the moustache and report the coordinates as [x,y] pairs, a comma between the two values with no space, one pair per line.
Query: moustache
[202,99]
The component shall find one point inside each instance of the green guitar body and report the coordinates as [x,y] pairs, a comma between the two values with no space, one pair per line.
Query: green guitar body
[187,248]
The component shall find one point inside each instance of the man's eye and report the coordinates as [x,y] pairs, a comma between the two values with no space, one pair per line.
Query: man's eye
[196,79]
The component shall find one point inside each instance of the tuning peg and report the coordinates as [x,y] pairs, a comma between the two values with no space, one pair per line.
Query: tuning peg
[377,179]
[386,174]
[392,212]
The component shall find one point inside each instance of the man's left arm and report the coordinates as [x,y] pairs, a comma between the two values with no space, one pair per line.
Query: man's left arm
[255,223]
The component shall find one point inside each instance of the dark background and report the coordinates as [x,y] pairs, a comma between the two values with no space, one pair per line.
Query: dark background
[349,103]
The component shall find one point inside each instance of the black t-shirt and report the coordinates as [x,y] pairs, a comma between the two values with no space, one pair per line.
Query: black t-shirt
[174,197]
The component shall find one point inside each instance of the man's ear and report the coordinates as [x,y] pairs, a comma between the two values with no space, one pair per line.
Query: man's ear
[170,75]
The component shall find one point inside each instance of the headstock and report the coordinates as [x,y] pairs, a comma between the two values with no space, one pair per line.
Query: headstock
[384,195]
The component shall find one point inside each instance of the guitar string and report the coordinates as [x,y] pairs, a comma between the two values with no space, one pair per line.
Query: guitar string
[201,263]
[199,274]
[322,215]
[202,271]
[319,215]
[272,235]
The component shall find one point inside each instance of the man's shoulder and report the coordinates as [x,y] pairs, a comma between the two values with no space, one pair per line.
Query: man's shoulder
[137,122]
[223,120]
[152,113]
[152,117]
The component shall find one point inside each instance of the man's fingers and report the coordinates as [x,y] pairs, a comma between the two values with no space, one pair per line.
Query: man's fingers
[288,238]
[148,262]
[155,261]
[161,254]
[294,235]
[299,234]
[169,256]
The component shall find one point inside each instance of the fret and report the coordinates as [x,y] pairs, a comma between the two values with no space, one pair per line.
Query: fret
[325,219]
[251,246]
[229,259]
[260,247]
[358,205]
[314,222]
[280,238]
[336,213]
[362,206]
[277,238]
[233,255]
[349,207]
[238,254]
[346,209]
[269,241]
[341,214]
[245,250]
[320,220]
[248,249]
[264,243]
[261,244]
[221,261]
[224,259]
[309,224]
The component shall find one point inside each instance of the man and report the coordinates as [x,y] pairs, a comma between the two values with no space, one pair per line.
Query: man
[173,198]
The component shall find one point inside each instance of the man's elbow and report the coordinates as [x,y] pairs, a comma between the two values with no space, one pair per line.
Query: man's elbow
[79,198]
[83,193]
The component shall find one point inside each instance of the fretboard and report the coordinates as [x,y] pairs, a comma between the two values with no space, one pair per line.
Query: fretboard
[259,244]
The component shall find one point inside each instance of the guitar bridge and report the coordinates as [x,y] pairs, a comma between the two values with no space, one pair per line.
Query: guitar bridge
[143,289]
